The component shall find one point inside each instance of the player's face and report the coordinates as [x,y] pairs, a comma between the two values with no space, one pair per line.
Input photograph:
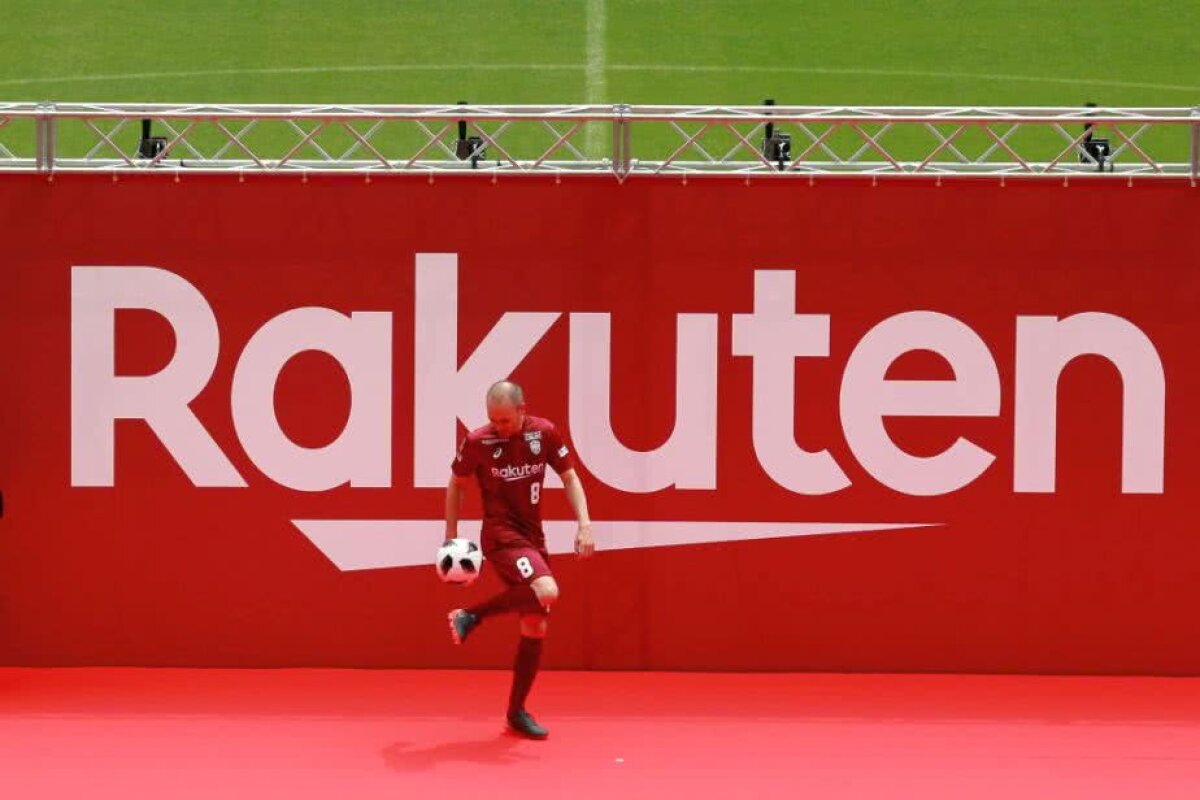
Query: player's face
[506,418]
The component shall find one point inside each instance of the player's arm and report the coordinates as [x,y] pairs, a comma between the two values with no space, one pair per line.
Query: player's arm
[461,471]
[585,545]
[454,496]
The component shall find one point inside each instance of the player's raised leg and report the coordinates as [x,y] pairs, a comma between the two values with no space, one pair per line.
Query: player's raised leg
[522,569]
[520,599]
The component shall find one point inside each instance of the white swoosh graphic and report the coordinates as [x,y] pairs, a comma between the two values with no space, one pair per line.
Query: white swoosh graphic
[355,544]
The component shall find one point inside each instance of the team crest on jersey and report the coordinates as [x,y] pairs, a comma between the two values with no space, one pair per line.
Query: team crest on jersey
[535,446]
[531,435]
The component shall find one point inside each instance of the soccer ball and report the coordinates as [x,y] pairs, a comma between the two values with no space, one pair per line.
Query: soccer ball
[459,561]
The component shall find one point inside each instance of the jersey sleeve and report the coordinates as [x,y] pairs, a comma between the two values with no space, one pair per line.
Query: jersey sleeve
[558,455]
[464,460]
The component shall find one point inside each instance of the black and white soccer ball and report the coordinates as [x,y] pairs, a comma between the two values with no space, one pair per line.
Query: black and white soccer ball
[459,562]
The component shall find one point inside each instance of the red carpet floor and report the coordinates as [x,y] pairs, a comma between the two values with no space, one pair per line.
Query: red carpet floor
[345,734]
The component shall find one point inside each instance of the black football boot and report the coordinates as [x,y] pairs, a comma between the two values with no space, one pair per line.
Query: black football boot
[520,722]
[461,624]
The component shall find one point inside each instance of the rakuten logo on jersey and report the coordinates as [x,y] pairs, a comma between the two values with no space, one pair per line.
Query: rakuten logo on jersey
[772,336]
[514,473]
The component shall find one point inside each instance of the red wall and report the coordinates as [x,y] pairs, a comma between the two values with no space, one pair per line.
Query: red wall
[156,570]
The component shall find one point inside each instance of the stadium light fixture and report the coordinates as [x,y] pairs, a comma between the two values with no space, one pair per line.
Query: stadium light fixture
[468,147]
[150,146]
[1093,150]
[777,147]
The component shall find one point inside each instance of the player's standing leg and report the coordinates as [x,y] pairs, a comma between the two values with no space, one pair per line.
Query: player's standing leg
[529,659]
[532,592]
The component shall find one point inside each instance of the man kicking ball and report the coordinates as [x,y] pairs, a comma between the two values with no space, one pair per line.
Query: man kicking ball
[508,457]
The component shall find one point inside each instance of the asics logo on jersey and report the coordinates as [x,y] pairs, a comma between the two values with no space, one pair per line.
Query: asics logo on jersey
[499,451]
[513,473]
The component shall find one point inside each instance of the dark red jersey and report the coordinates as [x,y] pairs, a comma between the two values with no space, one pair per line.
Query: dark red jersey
[510,471]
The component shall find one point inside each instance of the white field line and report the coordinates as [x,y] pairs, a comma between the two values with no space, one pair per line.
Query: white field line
[348,69]
[903,73]
[594,95]
[679,68]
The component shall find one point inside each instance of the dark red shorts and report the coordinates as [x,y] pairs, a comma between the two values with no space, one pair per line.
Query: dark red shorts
[517,565]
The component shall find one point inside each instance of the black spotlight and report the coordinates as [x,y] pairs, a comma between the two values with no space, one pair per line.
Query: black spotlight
[777,147]
[468,147]
[150,146]
[1093,150]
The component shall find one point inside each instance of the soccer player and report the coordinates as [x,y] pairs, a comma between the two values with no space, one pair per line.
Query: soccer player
[508,457]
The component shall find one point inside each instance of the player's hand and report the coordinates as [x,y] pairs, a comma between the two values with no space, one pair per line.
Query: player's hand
[585,545]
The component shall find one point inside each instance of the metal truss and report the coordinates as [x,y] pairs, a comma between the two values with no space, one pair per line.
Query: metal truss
[616,141]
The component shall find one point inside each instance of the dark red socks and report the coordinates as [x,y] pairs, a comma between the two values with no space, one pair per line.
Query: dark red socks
[525,669]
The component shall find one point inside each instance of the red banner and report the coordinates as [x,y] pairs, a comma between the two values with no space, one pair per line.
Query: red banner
[833,427]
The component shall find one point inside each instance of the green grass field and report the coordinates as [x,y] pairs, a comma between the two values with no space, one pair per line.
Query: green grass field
[910,53]
[604,51]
